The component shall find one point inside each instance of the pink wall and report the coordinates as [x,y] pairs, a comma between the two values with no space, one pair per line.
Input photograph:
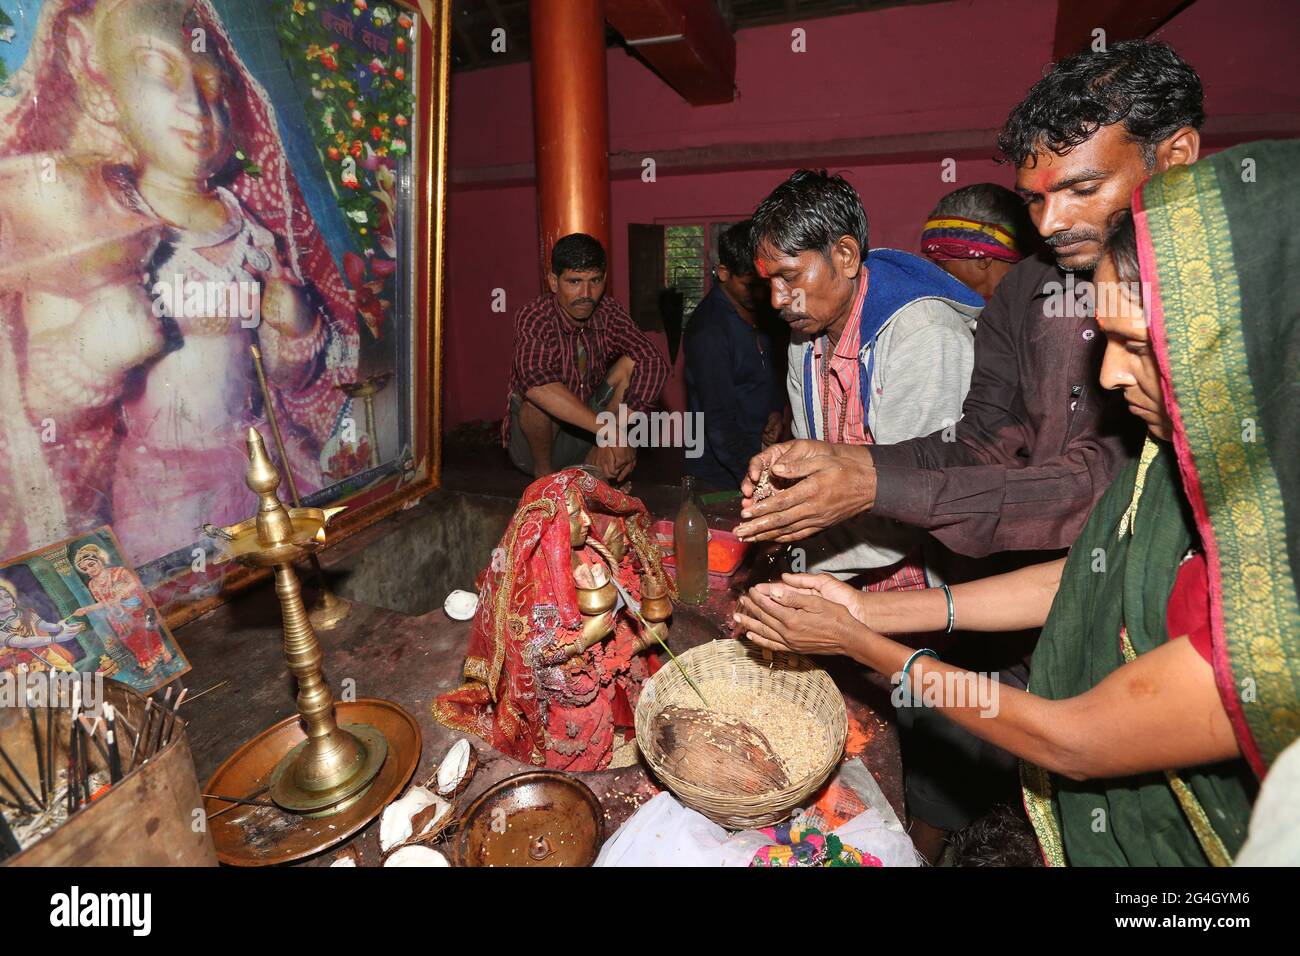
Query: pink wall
[928,69]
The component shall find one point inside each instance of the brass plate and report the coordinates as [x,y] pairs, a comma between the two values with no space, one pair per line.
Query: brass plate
[266,835]
[506,824]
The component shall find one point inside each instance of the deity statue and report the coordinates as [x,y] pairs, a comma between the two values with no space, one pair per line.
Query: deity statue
[140,162]
[554,664]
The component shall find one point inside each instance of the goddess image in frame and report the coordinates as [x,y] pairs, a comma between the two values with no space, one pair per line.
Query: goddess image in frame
[140,160]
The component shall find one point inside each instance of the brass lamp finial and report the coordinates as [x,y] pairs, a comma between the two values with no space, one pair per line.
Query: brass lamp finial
[273,523]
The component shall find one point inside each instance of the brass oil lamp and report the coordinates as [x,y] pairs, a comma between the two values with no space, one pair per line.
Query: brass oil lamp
[334,766]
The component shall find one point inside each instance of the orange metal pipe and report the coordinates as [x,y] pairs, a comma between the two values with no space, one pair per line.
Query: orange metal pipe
[571,118]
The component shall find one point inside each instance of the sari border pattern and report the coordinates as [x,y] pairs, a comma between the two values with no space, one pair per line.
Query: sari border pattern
[1234,491]
[1036,789]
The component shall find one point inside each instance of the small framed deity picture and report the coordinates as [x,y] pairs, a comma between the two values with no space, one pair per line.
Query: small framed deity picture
[216,214]
[77,607]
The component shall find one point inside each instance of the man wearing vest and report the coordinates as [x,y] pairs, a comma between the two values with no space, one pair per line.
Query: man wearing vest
[881,351]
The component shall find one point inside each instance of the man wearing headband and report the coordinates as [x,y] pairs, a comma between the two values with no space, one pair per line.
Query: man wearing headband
[976,234]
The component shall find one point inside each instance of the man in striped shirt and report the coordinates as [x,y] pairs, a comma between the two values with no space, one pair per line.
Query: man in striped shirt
[577,354]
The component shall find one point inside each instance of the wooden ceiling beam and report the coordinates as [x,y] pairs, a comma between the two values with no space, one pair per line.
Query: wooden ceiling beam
[685,41]
[1076,21]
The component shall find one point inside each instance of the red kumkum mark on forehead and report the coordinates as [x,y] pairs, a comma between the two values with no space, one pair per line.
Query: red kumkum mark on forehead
[1042,180]
[762,269]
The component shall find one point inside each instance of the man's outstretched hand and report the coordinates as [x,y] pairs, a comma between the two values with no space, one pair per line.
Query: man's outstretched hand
[819,485]
[769,456]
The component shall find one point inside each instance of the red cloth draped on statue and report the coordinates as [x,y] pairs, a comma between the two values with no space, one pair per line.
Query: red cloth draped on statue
[520,695]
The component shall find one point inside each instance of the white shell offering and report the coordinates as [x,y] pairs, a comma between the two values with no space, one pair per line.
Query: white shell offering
[416,855]
[460,605]
[456,768]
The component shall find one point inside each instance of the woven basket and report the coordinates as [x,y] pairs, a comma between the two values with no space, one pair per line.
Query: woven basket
[791,676]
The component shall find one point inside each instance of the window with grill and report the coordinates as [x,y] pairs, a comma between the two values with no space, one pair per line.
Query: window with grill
[685,263]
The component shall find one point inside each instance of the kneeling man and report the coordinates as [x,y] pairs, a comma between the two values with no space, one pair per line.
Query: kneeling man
[577,353]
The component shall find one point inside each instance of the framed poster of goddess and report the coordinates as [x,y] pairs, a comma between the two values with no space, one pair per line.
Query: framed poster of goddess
[211,210]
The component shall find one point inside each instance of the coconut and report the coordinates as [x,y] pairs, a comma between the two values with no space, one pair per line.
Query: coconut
[431,821]
[398,823]
[416,855]
[717,751]
[456,769]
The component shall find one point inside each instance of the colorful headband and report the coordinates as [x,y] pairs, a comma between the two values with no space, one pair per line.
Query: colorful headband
[956,238]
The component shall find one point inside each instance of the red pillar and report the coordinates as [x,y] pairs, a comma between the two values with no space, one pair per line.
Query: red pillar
[571,117]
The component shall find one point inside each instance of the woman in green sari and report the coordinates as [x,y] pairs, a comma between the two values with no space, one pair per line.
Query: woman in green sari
[1167,677]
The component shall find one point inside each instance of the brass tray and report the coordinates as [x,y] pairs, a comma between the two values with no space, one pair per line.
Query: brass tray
[539,818]
[266,835]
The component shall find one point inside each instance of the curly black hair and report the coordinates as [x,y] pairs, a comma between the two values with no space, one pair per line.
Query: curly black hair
[1143,84]
[1002,837]
[810,210]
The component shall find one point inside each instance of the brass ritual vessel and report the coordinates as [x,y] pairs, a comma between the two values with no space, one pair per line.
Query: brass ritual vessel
[335,765]
[596,605]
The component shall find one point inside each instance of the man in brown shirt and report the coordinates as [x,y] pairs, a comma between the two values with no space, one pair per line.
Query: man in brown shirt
[1039,440]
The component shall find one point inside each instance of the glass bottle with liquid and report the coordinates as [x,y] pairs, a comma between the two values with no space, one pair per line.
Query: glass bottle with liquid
[691,547]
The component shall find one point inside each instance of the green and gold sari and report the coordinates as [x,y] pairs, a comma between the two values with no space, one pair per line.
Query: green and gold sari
[1220,264]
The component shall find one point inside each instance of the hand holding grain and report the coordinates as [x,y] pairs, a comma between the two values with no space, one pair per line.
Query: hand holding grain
[827,484]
